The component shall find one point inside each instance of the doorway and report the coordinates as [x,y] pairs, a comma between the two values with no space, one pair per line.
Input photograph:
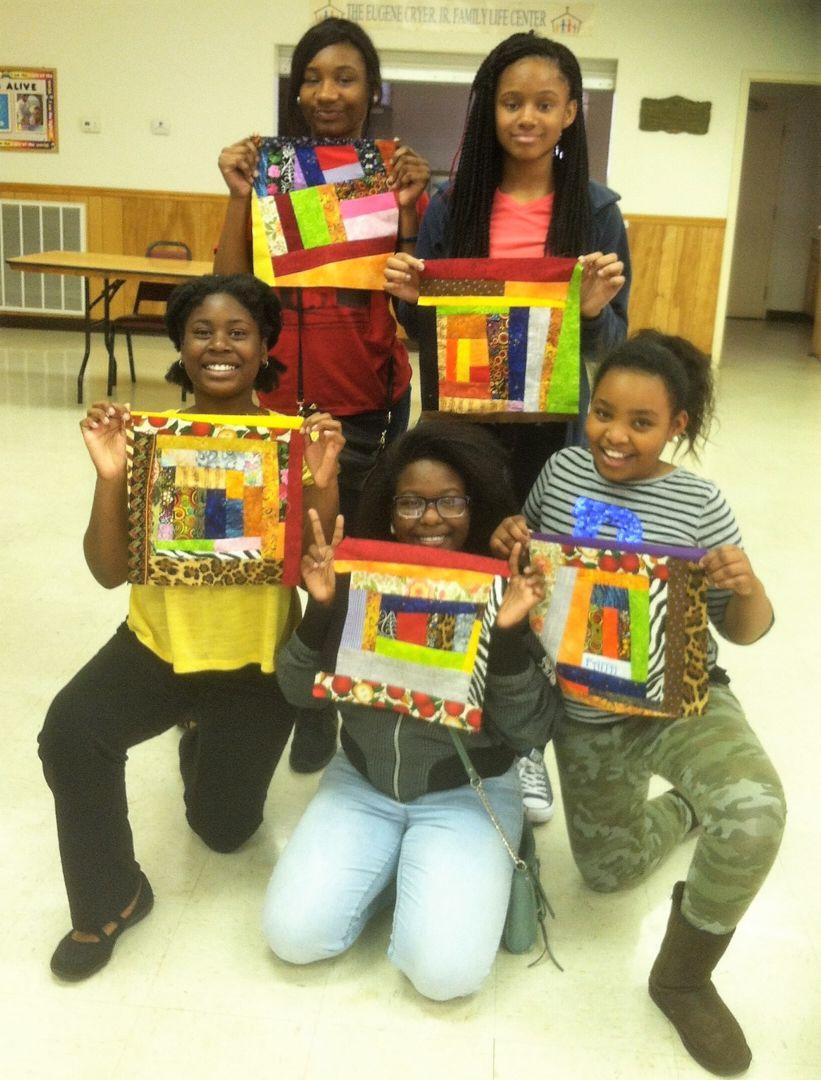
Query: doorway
[773,271]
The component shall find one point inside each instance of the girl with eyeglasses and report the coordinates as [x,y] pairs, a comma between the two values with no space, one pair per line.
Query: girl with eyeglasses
[394,814]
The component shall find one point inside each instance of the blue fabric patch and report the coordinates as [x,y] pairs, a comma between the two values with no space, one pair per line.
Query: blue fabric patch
[310,166]
[610,596]
[517,352]
[234,519]
[215,514]
[422,603]
[591,514]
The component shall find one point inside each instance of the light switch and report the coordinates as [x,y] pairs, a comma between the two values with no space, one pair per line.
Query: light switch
[160,127]
[90,125]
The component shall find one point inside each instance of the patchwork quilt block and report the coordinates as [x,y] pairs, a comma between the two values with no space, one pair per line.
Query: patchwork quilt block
[624,623]
[214,500]
[323,213]
[505,341]
[416,635]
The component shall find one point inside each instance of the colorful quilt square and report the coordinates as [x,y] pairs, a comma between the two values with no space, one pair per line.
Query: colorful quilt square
[500,346]
[416,632]
[323,213]
[214,500]
[625,624]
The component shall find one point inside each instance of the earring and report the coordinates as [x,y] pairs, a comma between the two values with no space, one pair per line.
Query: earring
[393,529]
[298,100]
[264,364]
[181,362]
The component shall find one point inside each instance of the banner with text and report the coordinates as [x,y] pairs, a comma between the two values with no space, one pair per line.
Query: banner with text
[550,20]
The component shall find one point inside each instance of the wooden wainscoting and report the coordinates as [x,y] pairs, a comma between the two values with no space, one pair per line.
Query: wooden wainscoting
[676,260]
[126,222]
[676,266]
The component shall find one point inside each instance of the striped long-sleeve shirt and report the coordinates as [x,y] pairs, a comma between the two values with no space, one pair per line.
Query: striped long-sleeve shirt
[678,508]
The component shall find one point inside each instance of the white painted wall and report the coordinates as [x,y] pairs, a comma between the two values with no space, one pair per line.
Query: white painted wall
[207,67]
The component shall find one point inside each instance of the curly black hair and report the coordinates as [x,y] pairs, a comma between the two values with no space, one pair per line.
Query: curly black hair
[685,371]
[471,451]
[479,169]
[331,31]
[256,297]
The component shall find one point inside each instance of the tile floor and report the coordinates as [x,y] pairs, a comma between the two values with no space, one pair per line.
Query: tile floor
[193,991]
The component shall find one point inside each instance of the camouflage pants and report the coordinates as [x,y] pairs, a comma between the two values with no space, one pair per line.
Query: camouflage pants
[618,835]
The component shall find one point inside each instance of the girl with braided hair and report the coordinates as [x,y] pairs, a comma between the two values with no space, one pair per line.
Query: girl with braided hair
[521,190]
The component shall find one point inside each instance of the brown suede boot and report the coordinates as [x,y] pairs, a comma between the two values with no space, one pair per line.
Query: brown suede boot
[681,986]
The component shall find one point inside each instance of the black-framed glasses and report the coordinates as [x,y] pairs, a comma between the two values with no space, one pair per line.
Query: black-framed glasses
[447,506]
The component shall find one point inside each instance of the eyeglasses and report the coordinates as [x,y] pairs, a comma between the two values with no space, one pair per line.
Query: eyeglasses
[414,506]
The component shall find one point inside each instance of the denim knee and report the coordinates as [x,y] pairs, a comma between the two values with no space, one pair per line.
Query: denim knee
[440,980]
[296,939]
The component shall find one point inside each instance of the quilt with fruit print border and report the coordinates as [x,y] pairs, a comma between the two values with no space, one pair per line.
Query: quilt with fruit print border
[417,631]
[214,500]
[323,212]
[504,345]
[624,623]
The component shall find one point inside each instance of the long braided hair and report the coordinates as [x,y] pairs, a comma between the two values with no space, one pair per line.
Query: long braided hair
[481,158]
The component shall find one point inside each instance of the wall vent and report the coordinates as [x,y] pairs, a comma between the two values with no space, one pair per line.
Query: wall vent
[28,227]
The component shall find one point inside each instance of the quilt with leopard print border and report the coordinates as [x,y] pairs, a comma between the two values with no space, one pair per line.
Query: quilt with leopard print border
[624,623]
[214,500]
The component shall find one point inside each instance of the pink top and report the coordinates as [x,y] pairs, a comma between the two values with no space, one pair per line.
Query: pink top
[518,230]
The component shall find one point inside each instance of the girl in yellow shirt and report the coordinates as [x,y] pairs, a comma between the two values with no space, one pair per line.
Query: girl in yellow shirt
[208,651]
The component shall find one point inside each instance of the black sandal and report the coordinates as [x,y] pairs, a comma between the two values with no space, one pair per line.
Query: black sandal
[74,960]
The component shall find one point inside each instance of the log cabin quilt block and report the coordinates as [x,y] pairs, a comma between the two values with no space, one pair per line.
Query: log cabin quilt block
[504,343]
[323,213]
[214,500]
[416,633]
[624,623]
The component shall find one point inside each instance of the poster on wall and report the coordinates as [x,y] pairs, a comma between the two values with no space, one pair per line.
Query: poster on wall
[28,117]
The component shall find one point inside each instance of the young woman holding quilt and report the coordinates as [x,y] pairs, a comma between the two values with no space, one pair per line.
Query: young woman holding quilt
[521,190]
[209,650]
[353,365]
[648,391]
[394,809]
[341,343]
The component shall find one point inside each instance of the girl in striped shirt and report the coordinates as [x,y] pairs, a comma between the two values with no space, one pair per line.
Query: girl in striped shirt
[648,391]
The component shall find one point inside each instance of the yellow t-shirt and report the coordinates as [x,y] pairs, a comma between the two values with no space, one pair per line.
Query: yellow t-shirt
[215,627]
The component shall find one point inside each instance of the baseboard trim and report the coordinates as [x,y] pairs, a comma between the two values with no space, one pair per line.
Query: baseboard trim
[773,315]
[62,322]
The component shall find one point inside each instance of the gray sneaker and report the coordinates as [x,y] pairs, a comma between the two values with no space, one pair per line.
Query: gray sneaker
[537,794]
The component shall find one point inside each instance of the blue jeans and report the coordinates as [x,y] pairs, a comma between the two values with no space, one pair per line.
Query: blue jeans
[451,869]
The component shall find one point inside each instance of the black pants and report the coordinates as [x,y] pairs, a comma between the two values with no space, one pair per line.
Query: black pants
[122,697]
